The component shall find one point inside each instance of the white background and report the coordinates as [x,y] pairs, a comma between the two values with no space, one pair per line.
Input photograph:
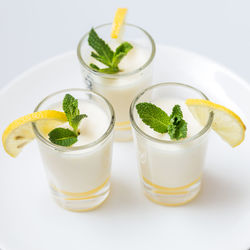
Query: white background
[32,31]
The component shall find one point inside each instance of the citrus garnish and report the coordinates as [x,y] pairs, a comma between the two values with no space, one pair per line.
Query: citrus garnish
[118,22]
[20,132]
[225,122]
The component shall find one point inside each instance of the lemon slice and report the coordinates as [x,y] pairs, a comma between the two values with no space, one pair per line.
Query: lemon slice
[20,131]
[225,123]
[118,22]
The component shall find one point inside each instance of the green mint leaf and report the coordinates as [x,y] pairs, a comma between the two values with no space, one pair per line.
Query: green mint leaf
[63,137]
[125,47]
[176,115]
[178,127]
[178,131]
[100,59]
[181,130]
[105,70]
[94,67]
[171,130]
[105,55]
[117,59]
[76,120]
[103,50]
[70,107]
[159,121]
[153,116]
[109,70]
[120,52]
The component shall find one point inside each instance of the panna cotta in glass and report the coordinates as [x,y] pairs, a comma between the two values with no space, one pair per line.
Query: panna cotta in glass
[79,175]
[135,71]
[170,170]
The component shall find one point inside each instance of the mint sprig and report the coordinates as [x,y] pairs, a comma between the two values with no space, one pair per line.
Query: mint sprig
[63,136]
[105,55]
[70,108]
[160,122]
[76,121]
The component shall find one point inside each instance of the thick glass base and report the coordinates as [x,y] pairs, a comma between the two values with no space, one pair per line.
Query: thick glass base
[81,202]
[171,196]
[123,132]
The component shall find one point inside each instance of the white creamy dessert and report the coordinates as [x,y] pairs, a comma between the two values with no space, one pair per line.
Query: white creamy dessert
[84,170]
[134,69]
[170,169]
[171,165]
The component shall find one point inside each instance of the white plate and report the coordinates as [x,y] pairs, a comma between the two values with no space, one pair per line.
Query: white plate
[219,218]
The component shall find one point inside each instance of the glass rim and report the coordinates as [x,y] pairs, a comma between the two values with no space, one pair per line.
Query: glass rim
[192,138]
[115,76]
[77,148]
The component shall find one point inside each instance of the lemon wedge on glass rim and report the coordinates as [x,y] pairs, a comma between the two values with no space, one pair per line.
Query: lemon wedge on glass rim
[20,132]
[118,22]
[226,123]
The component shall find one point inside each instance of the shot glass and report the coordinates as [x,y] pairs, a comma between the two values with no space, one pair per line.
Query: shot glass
[120,88]
[78,176]
[170,170]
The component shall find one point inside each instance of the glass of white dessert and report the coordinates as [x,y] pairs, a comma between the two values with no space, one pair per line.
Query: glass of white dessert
[170,170]
[136,71]
[79,175]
